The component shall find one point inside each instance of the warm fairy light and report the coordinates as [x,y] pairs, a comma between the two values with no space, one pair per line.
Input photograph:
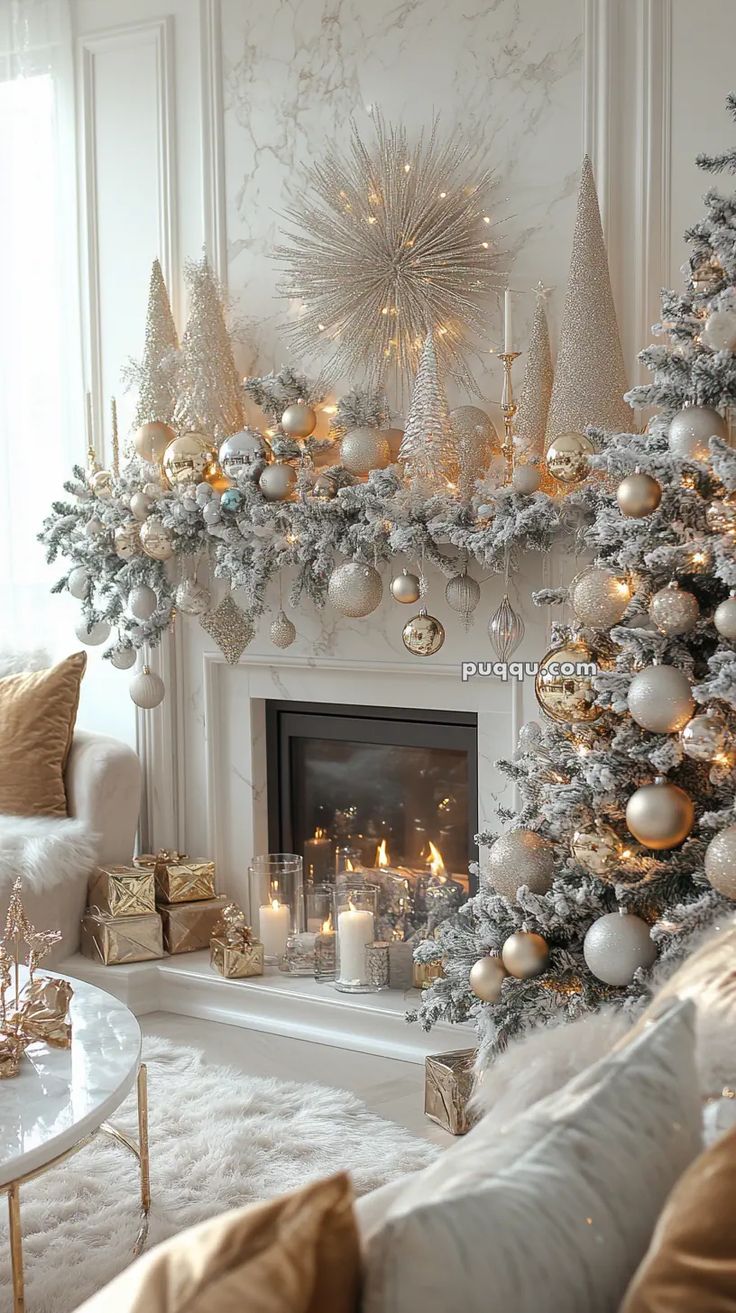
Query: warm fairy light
[485,245]
[624,588]
[329,410]
[688,481]
[382,858]
[443,195]
[451,487]
[699,558]
[321,328]
[486,218]
[371,219]
[582,749]
[435,861]
[270,433]
[407,168]
[723,759]
[626,852]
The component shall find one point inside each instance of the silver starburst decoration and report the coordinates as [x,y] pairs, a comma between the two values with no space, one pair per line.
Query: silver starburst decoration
[390,241]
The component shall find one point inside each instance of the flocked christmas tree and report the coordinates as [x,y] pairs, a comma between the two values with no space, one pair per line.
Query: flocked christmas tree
[625,843]
[427,449]
[209,398]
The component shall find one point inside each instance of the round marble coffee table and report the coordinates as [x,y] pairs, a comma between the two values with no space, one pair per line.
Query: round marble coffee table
[61,1099]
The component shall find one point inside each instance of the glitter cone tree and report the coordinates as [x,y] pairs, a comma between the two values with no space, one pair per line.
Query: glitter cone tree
[155,376]
[625,842]
[534,399]
[428,452]
[210,399]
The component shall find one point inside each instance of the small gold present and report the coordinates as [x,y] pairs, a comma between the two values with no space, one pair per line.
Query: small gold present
[233,950]
[185,882]
[148,861]
[425,973]
[114,940]
[448,1084]
[44,1012]
[122,891]
[189,926]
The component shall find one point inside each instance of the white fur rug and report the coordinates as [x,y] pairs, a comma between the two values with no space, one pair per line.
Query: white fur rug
[218,1139]
[46,851]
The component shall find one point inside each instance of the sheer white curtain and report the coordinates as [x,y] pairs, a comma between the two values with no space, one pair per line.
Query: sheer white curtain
[40,346]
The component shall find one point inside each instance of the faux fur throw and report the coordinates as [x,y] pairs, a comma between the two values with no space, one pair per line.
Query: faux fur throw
[45,851]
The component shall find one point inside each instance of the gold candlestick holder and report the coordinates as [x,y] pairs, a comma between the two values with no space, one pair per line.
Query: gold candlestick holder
[115,438]
[509,407]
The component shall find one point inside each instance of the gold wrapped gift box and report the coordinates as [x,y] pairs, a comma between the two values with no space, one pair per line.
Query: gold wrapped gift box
[448,1084]
[122,891]
[189,926]
[236,962]
[114,940]
[179,880]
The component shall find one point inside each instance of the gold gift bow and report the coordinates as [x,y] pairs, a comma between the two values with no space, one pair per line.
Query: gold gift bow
[232,928]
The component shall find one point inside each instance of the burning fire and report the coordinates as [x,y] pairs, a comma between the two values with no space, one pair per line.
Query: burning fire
[435,861]
[382,857]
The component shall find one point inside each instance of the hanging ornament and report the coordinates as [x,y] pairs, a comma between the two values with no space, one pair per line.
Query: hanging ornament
[638,495]
[243,452]
[660,815]
[692,428]
[151,440]
[355,589]
[597,850]
[463,594]
[192,598]
[617,946]
[190,459]
[530,736]
[283,631]
[231,501]
[521,857]
[476,441]
[705,737]
[156,540]
[724,616]
[706,274]
[364,449]
[720,862]
[127,540]
[423,635]
[405,588]
[660,699]
[599,597]
[147,689]
[141,505]
[123,656]
[78,582]
[567,458]
[505,629]
[100,484]
[525,954]
[142,602]
[719,330]
[526,479]
[299,420]
[674,610]
[231,629]
[277,481]
[563,690]
[93,634]
[720,515]
[324,487]
[486,978]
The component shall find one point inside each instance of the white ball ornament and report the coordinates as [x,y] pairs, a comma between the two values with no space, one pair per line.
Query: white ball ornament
[526,479]
[355,589]
[660,699]
[719,330]
[638,495]
[147,689]
[720,862]
[141,505]
[405,588]
[123,657]
[299,420]
[692,428]
[521,857]
[724,617]
[364,449]
[78,582]
[599,597]
[283,631]
[674,610]
[142,602]
[525,954]
[617,946]
[127,540]
[192,598]
[660,815]
[151,440]
[486,978]
[156,540]
[277,481]
[94,634]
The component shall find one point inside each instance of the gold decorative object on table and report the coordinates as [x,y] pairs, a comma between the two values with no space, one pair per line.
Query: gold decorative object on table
[233,950]
[116,940]
[448,1085]
[184,882]
[37,1010]
[122,891]
[189,926]
[425,973]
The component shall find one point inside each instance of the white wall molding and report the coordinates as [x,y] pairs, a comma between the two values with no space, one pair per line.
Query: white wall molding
[654,160]
[599,50]
[213,137]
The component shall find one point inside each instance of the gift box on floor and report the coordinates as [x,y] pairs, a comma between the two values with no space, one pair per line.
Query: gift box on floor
[448,1084]
[178,879]
[114,940]
[122,891]
[189,926]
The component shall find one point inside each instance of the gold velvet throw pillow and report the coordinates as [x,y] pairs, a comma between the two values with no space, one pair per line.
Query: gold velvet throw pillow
[690,1266]
[37,715]
[296,1254]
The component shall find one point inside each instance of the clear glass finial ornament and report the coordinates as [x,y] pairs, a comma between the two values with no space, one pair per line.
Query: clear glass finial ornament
[505,629]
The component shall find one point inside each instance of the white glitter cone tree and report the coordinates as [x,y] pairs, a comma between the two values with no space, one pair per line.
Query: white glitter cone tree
[428,447]
[536,391]
[210,398]
[155,375]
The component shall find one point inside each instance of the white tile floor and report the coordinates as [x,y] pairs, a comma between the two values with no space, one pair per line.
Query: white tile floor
[391,1089]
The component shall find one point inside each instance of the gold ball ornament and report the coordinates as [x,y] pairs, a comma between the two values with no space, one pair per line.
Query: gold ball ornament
[423,635]
[660,815]
[660,699]
[525,954]
[355,589]
[705,737]
[277,482]
[724,617]
[147,689]
[191,459]
[299,420]
[151,440]
[127,540]
[100,483]
[674,610]
[719,330]
[705,276]
[283,631]
[692,428]
[364,449]
[616,947]
[720,862]
[486,978]
[567,458]
[597,849]
[638,495]
[405,588]
[599,597]
[720,515]
[521,857]
[562,689]
[156,540]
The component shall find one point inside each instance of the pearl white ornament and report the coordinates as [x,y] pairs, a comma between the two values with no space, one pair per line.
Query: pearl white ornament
[156,540]
[705,737]
[122,657]
[617,946]
[720,862]
[211,513]
[660,699]
[192,598]
[78,582]
[526,479]
[638,495]
[242,452]
[674,610]
[660,815]
[364,449]
[599,597]
[525,954]
[355,589]
[521,857]
[94,635]
[141,505]
[277,481]
[719,330]
[299,420]
[486,978]
[283,631]
[152,439]
[127,540]
[724,617]
[147,689]
[691,430]
[405,588]
[142,602]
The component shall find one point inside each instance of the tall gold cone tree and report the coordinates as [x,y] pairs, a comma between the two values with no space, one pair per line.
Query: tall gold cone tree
[210,398]
[536,391]
[590,376]
[428,448]
[155,375]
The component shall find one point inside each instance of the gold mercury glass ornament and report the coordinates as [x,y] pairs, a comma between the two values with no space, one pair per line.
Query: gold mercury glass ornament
[567,458]
[191,459]
[596,849]
[423,635]
[563,691]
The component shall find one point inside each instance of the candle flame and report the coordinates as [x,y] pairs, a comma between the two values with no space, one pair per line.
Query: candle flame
[327,926]
[275,904]
[319,833]
[349,865]
[382,858]
[435,861]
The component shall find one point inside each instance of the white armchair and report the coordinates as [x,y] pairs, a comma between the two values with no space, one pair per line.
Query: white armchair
[103,789]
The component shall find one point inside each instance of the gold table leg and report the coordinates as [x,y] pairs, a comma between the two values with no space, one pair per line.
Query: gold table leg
[143,1139]
[16,1248]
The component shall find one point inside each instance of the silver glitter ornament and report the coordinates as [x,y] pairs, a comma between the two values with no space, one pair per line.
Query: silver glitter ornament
[324,487]
[462,593]
[660,815]
[525,954]
[147,689]
[78,582]
[530,736]
[231,629]
[660,699]
[123,656]
[363,450]
[724,617]
[486,978]
[244,451]
[597,849]
[423,635]
[127,540]
[192,598]
[720,515]
[94,634]
[142,602]
[476,440]
[599,597]
[567,458]
[616,947]
[562,688]
[521,857]
[505,629]
[156,540]
[151,440]
[405,588]
[705,737]
[638,495]
[719,330]
[277,482]
[283,631]
[299,420]
[674,610]
[692,428]
[141,505]
[720,862]
[355,589]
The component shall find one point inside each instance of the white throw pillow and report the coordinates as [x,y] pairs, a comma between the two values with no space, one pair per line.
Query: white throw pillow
[553,1213]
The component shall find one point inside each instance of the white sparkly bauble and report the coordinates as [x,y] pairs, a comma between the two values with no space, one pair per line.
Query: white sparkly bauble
[526,479]
[692,428]
[486,978]
[660,815]
[705,737]
[638,495]
[363,450]
[355,589]
[152,439]
[147,689]
[674,610]
[724,617]
[530,735]
[617,946]
[142,602]
[567,458]
[78,582]
[405,588]
[660,699]
[299,420]
[423,635]
[525,954]
[462,593]
[94,528]
[94,635]
[599,597]
[243,451]
[719,330]
[101,484]
[203,493]
[123,657]
[192,598]
[283,631]
[521,857]
[141,505]
[156,540]
[277,481]
[127,540]
[720,862]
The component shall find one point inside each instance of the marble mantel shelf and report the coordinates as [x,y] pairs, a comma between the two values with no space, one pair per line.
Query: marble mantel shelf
[276,1004]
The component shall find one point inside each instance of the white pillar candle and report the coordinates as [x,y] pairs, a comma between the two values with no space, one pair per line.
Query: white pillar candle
[274,923]
[507,333]
[355,929]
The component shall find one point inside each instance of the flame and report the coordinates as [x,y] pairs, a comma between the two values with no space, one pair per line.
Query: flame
[382,858]
[319,833]
[435,861]
[275,904]
[349,865]
[327,926]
